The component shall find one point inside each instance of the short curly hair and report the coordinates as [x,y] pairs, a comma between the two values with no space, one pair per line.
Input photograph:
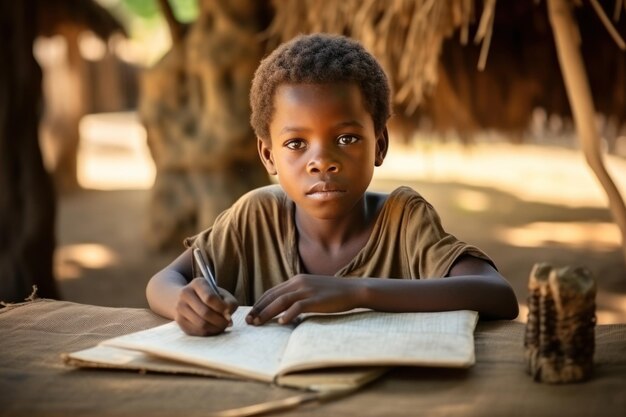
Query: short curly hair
[317,59]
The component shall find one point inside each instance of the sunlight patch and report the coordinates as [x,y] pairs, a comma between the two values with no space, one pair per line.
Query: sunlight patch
[474,201]
[113,153]
[70,260]
[576,235]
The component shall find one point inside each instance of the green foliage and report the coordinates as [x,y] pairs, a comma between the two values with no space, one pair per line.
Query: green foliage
[184,10]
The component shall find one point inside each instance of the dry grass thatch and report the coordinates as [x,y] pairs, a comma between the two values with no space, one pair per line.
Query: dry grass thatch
[407,36]
[53,15]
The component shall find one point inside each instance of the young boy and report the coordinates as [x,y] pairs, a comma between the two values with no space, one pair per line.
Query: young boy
[319,241]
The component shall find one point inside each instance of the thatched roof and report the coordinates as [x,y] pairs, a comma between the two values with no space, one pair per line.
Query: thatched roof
[83,14]
[499,59]
[406,36]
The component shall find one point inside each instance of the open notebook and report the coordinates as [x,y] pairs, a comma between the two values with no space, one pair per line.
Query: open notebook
[320,352]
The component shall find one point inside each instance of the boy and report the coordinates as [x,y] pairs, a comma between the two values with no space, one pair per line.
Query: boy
[319,242]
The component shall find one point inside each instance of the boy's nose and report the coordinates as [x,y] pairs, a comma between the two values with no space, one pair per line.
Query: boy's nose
[323,164]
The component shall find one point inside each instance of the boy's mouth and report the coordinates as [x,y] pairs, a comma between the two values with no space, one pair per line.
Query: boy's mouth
[324,190]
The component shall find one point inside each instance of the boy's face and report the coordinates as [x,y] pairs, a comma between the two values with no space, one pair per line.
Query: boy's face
[323,147]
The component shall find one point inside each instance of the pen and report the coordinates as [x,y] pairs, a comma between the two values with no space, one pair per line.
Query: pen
[206,271]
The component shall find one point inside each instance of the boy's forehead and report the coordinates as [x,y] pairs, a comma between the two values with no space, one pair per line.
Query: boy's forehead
[337,103]
[312,92]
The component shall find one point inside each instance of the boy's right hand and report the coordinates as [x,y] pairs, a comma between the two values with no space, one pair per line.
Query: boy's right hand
[199,312]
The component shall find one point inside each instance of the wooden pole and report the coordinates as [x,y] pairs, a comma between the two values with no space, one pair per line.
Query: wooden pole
[581,102]
[27,198]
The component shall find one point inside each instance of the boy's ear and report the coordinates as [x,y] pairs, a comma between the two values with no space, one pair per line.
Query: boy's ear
[265,152]
[382,145]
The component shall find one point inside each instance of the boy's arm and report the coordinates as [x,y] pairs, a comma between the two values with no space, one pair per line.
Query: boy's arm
[163,289]
[471,284]
[173,294]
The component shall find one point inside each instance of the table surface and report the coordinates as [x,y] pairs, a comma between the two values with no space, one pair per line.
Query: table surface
[35,382]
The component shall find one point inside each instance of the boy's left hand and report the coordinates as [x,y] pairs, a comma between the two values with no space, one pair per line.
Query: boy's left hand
[305,294]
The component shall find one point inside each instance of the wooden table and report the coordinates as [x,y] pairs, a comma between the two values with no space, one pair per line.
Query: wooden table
[35,382]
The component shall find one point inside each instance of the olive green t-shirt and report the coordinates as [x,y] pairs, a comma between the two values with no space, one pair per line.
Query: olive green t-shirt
[253,245]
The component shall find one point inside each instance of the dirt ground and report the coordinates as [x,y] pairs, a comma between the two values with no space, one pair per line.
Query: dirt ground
[102,258]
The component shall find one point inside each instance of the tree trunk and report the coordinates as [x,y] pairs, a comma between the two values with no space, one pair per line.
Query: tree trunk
[579,94]
[27,201]
[194,104]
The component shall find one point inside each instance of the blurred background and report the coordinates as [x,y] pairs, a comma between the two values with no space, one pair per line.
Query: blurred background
[139,134]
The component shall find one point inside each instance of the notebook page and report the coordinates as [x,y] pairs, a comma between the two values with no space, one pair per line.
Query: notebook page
[244,350]
[375,338]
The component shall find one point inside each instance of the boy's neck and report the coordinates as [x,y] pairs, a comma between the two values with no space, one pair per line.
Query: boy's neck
[330,235]
[337,237]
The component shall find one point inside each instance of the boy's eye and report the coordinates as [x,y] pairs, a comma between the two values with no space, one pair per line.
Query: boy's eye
[347,140]
[295,144]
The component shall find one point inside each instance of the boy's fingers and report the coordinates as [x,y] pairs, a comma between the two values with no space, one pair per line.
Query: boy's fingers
[231,305]
[294,311]
[208,313]
[194,325]
[268,298]
[223,304]
[201,312]
[229,300]
[205,305]
[279,305]
[260,306]
[208,297]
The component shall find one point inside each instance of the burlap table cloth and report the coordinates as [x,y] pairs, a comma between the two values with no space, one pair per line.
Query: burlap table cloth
[35,382]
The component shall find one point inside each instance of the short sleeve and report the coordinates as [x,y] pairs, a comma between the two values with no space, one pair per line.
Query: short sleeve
[432,250]
[222,242]
[251,245]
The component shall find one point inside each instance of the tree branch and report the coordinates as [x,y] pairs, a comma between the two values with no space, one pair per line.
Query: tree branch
[177,29]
